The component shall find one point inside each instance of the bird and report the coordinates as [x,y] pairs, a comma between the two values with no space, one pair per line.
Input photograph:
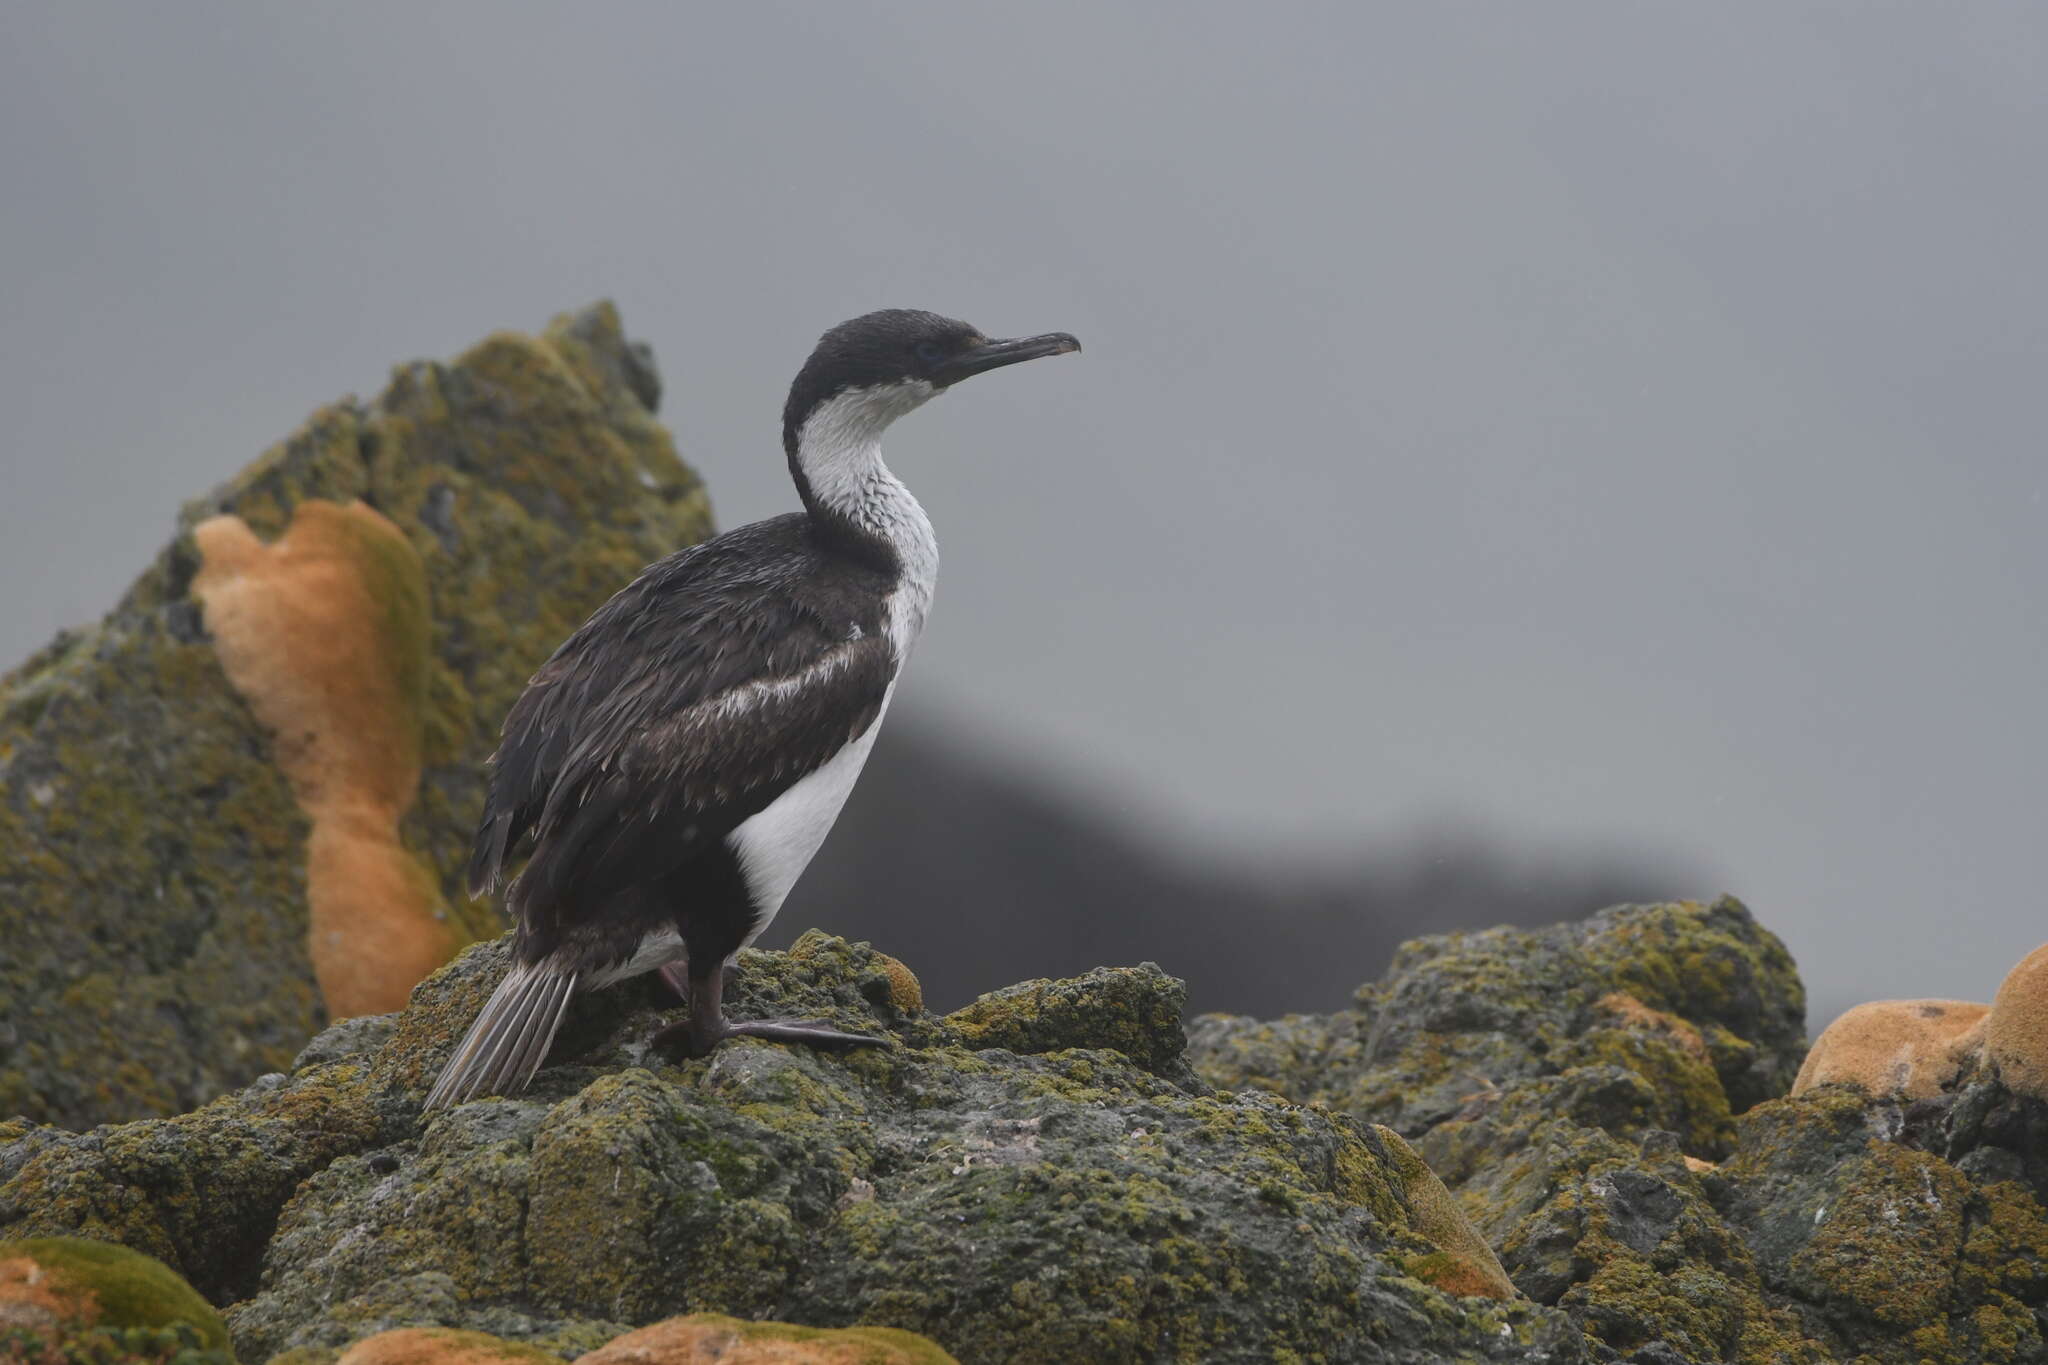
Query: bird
[677,761]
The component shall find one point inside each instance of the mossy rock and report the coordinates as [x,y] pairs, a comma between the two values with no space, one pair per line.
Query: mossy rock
[1135,1010]
[151,847]
[706,1337]
[1603,1100]
[98,1288]
[1007,1205]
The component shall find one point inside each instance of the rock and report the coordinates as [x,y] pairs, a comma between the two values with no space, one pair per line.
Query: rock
[1063,1203]
[2016,1031]
[1602,1100]
[442,1346]
[181,804]
[1909,1048]
[94,1299]
[1662,1017]
[1134,1009]
[712,1339]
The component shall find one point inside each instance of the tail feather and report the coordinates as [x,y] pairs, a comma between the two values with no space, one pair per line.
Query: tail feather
[510,1037]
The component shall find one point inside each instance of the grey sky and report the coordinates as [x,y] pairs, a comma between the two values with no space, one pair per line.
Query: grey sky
[1617,423]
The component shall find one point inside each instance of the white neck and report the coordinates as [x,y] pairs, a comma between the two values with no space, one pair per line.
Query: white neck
[839,450]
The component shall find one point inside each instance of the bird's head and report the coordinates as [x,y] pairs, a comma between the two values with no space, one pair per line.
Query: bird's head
[873,369]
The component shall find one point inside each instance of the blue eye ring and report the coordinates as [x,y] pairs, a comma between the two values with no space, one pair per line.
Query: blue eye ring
[930,352]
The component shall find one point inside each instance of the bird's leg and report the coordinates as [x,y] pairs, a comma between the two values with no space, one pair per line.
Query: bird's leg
[677,976]
[707,1025]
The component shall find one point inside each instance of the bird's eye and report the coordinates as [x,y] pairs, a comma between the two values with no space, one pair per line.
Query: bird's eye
[930,352]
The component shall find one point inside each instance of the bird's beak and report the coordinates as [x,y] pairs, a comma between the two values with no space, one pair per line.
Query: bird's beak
[992,355]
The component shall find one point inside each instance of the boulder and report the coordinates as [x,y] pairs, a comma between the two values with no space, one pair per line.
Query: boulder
[262,765]
[1067,1193]
[1607,1102]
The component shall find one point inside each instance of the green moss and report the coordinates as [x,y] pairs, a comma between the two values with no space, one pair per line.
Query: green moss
[1688,1096]
[1135,1010]
[131,1290]
[1717,968]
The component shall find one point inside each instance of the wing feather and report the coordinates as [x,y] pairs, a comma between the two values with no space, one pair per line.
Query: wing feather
[685,704]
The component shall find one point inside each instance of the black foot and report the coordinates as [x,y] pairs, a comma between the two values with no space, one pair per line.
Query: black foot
[687,1040]
[810,1032]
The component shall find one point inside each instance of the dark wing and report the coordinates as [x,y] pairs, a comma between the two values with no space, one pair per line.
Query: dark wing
[697,695]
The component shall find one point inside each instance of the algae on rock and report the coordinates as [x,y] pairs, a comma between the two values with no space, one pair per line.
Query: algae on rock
[1062,1203]
[152,850]
[1603,1099]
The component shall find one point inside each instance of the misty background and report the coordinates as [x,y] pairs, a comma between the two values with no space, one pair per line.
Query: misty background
[1523,456]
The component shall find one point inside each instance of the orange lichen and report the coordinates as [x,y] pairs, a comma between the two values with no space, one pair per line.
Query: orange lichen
[904,991]
[1910,1048]
[704,1338]
[31,1297]
[1463,1262]
[325,633]
[2016,1031]
[440,1346]
[1630,1012]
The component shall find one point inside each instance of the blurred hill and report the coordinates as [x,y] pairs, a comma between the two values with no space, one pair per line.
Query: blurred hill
[979,875]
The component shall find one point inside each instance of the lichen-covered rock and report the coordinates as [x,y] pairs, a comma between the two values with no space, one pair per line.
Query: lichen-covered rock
[1063,1203]
[1601,1099]
[1661,1017]
[2016,1030]
[155,836]
[438,1346]
[1909,1048]
[1141,1007]
[713,1339]
[76,1299]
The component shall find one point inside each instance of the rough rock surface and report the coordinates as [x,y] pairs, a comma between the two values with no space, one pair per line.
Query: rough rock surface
[1061,1202]
[1602,1099]
[151,845]
[697,1339]
[1909,1048]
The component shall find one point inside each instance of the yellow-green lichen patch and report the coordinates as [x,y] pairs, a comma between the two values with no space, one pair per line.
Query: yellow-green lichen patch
[1885,1248]
[1135,1010]
[1711,965]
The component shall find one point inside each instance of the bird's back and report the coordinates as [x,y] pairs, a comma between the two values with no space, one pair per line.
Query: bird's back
[684,705]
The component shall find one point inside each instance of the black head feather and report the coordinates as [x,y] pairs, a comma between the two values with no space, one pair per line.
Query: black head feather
[887,347]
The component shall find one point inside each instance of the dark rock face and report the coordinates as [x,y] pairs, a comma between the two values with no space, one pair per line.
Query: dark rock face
[1060,883]
[151,848]
[1601,1097]
[1028,1193]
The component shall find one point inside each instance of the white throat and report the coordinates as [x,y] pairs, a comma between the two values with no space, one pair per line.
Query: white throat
[839,449]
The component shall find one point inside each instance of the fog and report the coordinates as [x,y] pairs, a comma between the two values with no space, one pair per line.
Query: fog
[1613,427]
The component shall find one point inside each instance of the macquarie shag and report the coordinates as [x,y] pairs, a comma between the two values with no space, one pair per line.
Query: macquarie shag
[679,759]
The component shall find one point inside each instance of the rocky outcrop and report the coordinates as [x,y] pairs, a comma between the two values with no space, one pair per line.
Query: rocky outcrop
[1042,1195]
[260,768]
[1605,1099]
[697,1339]
[1554,1145]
